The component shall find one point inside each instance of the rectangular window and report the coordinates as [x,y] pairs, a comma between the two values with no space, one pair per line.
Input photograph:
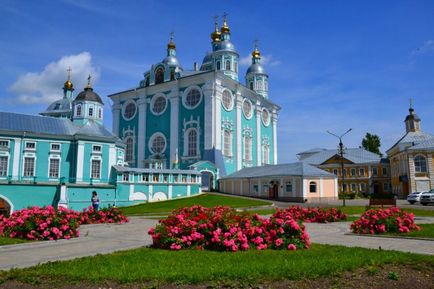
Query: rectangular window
[385,187]
[126,177]
[155,178]
[4,144]
[362,187]
[30,145]
[344,187]
[353,172]
[288,187]
[353,187]
[374,171]
[3,166]
[55,147]
[90,111]
[145,178]
[184,179]
[29,167]
[255,188]
[96,149]
[345,172]
[165,179]
[384,171]
[96,169]
[54,168]
[175,178]
[362,172]
[265,188]
[335,171]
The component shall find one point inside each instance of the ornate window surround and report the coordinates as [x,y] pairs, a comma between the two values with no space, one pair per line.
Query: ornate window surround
[185,93]
[124,106]
[154,98]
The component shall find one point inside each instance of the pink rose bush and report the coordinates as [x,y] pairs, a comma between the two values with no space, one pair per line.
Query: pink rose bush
[313,215]
[37,223]
[102,216]
[223,229]
[48,223]
[378,221]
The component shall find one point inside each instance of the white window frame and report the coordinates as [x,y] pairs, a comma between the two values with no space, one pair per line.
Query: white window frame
[54,157]
[310,187]
[55,150]
[100,168]
[225,152]
[132,149]
[154,98]
[266,124]
[186,92]
[187,142]
[360,172]
[7,166]
[353,187]
[6,141]
[375,174]
[90,111]
[232,100]
[78,109]
[362,187]
[124,107]
[96,151]
[248,148]
[426,164]
[30,142]
[126,177]
[151,140]
[265,154]
[288,183]
[251,109]
[32,156]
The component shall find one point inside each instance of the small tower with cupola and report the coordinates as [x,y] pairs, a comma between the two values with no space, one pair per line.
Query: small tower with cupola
[88,106]
[62,107]
[256,77]
[412,121]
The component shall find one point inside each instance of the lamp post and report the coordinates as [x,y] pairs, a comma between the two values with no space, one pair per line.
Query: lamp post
[341,153]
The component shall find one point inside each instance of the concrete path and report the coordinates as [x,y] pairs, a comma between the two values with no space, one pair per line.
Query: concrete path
[107,238]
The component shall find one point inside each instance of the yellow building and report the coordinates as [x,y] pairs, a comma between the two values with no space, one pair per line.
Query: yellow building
[364,172]
[411,159]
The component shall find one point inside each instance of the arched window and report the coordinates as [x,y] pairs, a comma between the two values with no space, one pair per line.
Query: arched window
[227,143]
[288,187]
[251,85]
[217,64]
[79,110]
[129,146]
[100,113]
[312,187]
[228,65]
[90,111]
[159,76]
[265,155]
[420,164]
[247,148]
[192,143]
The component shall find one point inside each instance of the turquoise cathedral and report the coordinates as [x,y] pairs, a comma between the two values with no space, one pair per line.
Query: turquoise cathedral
[204,118]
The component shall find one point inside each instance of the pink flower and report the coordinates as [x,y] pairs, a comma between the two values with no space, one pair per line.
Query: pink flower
[278,242]
[292,247]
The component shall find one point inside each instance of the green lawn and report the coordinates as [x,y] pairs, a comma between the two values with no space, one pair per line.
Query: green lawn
[353,210]
[427,231]
[206,200]
[10,241]
[191,266]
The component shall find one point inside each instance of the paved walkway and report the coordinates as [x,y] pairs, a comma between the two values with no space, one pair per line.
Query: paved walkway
[107,238]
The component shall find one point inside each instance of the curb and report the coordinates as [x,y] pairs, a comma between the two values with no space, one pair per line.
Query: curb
[390,237]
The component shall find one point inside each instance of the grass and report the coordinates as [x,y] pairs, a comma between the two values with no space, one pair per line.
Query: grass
[206,200]
[191,266]
[427,231]
[358,210]
[10,241]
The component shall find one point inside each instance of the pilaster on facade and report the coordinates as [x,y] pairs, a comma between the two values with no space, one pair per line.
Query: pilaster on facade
[218,117]
[174,124]
[16,161]
[80,161]
[258,134]
[116,113]
[142,103]
[430,166]
[239,103]
[411,174]
[274,124]
[210,115]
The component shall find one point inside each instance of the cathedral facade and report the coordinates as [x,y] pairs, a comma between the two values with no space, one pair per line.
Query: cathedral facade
[205,118]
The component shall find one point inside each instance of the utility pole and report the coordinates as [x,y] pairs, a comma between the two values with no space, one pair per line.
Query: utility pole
[341,153]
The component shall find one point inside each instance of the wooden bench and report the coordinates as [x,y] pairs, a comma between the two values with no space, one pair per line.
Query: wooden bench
[382,202]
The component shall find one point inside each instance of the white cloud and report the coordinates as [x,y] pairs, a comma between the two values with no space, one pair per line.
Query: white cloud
[265,59]
[46,86]
[427,46]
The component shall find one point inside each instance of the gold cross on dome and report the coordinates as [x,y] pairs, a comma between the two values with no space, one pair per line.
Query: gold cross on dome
[69,72]
[411,102]
[225,15]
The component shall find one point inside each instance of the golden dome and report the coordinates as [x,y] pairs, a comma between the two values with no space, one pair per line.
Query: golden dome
[225,27]
[215,36]
[171,45]
[68,85]
[256,53]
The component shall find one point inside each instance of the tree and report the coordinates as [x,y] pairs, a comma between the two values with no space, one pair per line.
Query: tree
[372,143]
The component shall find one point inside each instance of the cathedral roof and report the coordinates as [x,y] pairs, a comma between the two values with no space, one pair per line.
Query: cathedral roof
[60,105]
[256,68]
[225,45]
[413,139]
[171,60]
[88,95]
[355,155]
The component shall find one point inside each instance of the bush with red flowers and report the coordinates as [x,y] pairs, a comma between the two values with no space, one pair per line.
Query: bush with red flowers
[48,223]
[102,216]
[223,229]
[378,221]
[313,215]
[37,223]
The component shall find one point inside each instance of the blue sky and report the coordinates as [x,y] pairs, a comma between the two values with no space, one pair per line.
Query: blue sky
[333,65]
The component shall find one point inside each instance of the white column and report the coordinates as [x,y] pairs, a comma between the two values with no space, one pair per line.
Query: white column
[80,161]
[430,166]
[116,112]
[16,161]
[170,189]
[274,124]
[209,127]
[174,124]
[336,188]
[188,190]
[141,135]
[321,188]
[258,134]
[112,158]
[239,101]
[218,118]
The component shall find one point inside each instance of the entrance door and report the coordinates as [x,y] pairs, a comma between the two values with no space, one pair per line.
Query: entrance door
[273,191]
[207,181]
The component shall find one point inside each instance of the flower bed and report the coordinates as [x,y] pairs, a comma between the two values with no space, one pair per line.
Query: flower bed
[48,223]
[313,215]
[378,221]
[105,215]
[37,223]
[223,229]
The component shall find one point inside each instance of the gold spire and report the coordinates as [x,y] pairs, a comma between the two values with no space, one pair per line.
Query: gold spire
[225,27]
[256,53]
[215,36]
[68,84]
[171,44]
[89,85]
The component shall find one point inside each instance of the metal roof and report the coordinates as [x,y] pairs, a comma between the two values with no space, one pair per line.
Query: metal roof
[122,169]
[413,138]
[355,155]
[14,122]
[292,169]
[88,95]
[428,144]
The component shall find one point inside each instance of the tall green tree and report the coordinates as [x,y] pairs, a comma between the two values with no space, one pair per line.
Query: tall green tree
[372,143]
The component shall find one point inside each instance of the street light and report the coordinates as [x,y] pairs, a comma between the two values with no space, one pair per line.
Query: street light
[341,152]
